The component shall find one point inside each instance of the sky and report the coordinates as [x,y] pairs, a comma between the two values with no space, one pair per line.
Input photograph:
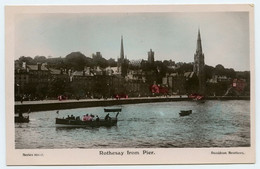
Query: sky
[224,35]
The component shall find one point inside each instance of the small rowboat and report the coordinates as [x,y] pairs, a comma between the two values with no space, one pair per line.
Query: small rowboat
[185,112]
[21,119]
[113,110]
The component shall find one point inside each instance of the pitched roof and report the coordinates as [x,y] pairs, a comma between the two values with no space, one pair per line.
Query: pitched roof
[173,74]
[35,67]
[189,74]
[77,73]
[115,70]
[56,71]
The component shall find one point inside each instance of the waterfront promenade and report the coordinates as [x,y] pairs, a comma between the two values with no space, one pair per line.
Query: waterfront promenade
[46,105]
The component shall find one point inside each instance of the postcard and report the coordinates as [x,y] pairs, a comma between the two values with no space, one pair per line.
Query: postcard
[133,84]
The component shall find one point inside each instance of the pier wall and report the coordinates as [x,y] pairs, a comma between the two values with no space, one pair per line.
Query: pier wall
[59,105]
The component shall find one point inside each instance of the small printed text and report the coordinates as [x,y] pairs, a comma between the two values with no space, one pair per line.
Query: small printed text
[128,152]
[33,154]
[227,153]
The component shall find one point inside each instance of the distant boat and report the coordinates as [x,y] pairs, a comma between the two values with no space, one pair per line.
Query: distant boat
[106,122]
[21,119]
[197,97]
[112,109]
[185,112]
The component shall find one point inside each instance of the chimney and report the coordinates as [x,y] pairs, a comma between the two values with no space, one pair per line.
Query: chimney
[39,65]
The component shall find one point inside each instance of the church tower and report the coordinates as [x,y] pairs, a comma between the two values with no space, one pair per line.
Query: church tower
[151,56]
[122,62]
[199,65]
[122,49]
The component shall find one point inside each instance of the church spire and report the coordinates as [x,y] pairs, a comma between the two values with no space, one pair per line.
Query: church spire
[122,61]
[122,49]
[199,46]
[199,66]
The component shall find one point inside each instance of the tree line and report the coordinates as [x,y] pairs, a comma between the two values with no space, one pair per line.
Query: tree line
[152,71]
[77,61]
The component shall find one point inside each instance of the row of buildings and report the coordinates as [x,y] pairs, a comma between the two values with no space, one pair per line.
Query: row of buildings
[41,81]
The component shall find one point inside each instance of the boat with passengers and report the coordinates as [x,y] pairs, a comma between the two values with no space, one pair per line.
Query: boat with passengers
[98,122]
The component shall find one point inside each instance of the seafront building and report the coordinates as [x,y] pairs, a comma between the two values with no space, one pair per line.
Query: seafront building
[30,78]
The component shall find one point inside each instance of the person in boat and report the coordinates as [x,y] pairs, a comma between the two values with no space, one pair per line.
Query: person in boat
[87,118]
[68,117]
[93,117]
[107,117]
[77,118]
[97,118]
[20,114]
[90,118]
[72,117]
[84,118]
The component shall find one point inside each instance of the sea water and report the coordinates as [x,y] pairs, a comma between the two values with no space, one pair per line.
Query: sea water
[149,125]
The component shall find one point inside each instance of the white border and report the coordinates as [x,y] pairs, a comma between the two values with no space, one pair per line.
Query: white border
[78,2]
